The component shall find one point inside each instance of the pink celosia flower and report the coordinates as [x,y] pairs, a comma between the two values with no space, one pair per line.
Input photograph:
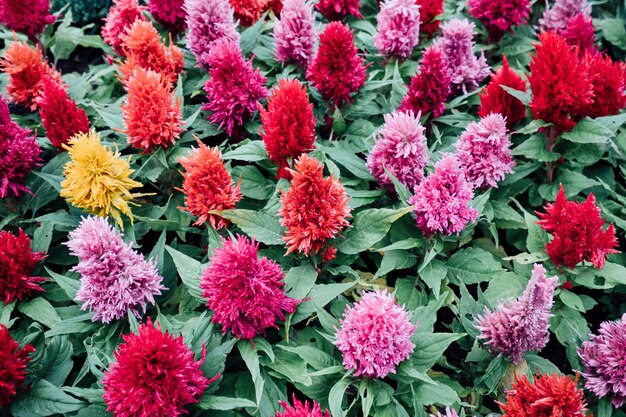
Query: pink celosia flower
[120,17]
[235,87]
[499,16]
[27,16]
[302,409]
[519,326]
[295,33]
[245,291]
[402,149]
[448,413]
[208,21]
[484,151]
[441,200]
[604,359]
[338,9]
[114,277]
[375,335]
[398,28]
[558,16]
[580,32]
[467,70]
[169,13]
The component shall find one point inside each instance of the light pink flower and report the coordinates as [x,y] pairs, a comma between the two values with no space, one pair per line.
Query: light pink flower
[562,11]
[448,413]
[398,28]
[295,33]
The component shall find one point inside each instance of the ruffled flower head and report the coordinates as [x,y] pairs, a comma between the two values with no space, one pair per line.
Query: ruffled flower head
[338,9]
[484,151]
[119,19]
[151,113]
[493,98]
[562,11]
[208,21]
[154,374]
[207,186]
[603,358]
[295,33]
[114,277]
[30,17]
[577,233]
[398,24]
[447,413]
[288,125]
[441,201]
[608,80]
[13,362]
[402,149]
[375,335]
[499,16]
[97,179]
[235,86]
[430,11]
[337,70]
[581,33]
[248,12]
[169,13]
[314,210]
[302,409]
[244,291]
[520,326]
[17,262]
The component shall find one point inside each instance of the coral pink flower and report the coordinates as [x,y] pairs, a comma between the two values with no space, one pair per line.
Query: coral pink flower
[448,413]
[17,262]
[493,98]
[295,33]
[235,86]
[13,362]
[314,210]
[248,12]
[337,70]
[169,13]
[519,326]
[441,200]
[245,291]
[119,19]
[577,233]
[430,11]
[207,186]
[154,374]
[302,409]
[27,16]
[430,87]
[580,32]
[484,151]
[151,113]
[288,125]
[375,335]
[499,16]
[559,15]
[398,28]
[608,80]
[338,9]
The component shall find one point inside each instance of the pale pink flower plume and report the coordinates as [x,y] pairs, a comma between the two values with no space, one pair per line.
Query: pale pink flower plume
[448,413]
[559,15]
[398,28]
[295,33]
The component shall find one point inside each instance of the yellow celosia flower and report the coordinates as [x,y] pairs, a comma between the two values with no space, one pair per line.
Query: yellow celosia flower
[97,179]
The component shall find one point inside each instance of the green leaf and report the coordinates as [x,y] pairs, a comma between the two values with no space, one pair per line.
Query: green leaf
[69,285]
[614,31]
[534,149]
[39,309]
[214,402]
[429,347]
[355,165]
[537,237]
[263,227]
[251,151]
[57,362]
[573,183]
[522,96]
[45,399]
[472,265]
[189,271]
[335,397]
[368,228]
[427,394]
[251,358]
[572,300]
[588,131]
[494,373]
[299,281]
[318,297]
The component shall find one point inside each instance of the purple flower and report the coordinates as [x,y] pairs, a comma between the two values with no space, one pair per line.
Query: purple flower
[558,16]
[448,413]
[441,200]
[466,69]
[401,148]
[208,21]
[295,33]
[604,359]
[519,326]
[114,277]
[398,28]
[484,151]
[375,335]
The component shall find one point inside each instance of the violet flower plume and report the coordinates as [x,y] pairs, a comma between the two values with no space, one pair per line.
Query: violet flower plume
[398,28]
[295,33]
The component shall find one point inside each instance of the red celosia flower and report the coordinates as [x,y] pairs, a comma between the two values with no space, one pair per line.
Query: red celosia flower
[16,267]
[119,19]
[13,362]
[249,11]
[169,13]
[429,11]
[143,48]
[499,16]
[60,115]
[608,79]
[338,9]
[314,210]
[550,396]
[493,98]
[154,375]
[151,114]
[208,185]
[26,68]
[560,83]
[577,232]
[27,16]
[337,70]
[580,32]
[288,125]
[302,409]
[276,6]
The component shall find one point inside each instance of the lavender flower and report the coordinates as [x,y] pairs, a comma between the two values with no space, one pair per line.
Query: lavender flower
[448,413]
[484,151]
[398,28]
[295,33]
[114,277]
[558,16]
[521,325]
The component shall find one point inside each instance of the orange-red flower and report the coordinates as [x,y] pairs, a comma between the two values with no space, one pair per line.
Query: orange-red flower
[493,98]
[249,11]
[121,16]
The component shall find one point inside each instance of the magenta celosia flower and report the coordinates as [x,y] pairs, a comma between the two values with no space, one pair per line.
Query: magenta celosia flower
[448,413]
[558,16]
[580,32]
[398,28]
[441,200]
[375,335]
[208,21]
[604,359]
[114,277]
[245,291]
[520,326]
[235,87]
[295,33]
[402,149]
[27,16]
[302,409]
[484,151]
[499,16]
[466,69]
[169,13]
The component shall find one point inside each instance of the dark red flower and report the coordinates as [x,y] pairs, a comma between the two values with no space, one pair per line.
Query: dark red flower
[499,16]
[338,9]
[493,98]
[169,13]
[17,262]
[302,409]
[577,232]
[13,362]
[581,33]
[430,10]
[27,16]
[608,79]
